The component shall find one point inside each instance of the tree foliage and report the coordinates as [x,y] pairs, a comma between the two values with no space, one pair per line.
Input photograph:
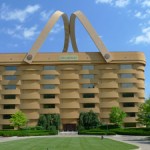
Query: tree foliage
[88,120]
[18,119]
[144,113]
[117,116]
[49,120]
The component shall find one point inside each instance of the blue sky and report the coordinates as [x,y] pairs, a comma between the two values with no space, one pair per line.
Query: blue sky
[123,25]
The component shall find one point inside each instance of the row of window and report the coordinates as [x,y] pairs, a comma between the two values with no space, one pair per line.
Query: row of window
[84,67]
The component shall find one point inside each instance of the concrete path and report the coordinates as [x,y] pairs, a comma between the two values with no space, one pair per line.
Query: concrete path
[142,141]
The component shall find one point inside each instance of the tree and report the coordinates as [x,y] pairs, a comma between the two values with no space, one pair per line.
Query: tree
[144,113]
[18,119]
[42,121]
[88,120]
[117,116]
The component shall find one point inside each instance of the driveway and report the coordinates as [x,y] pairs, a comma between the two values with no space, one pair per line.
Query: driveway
[142,141]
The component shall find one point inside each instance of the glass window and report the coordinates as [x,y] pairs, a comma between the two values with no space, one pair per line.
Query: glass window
[10,68]
[9,106]
[88,76]
[90,85]
[7,127]
[89,105]
[87,67]
[88,95]
[7,116]
[128,104]
[127,85]
[10,77]
[9,87]
[126,75]
[130,114]
[126,66]
[49,77]
[10,96]
[127,125]
[49,86]
[49,106]
[127,94]
[49,67]
[50,96]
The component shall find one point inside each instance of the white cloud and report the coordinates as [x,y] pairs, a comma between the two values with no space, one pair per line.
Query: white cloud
[121,3]
[146,3]
[142,15]
[143,38]
[17,14]
[45,15]
[103,1]
[22,32]
[57,28]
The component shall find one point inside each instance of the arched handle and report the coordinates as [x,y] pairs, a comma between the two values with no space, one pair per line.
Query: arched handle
[96,39]
[41,38]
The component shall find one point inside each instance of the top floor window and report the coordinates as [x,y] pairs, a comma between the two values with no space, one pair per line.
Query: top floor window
[49,67]
[87,67]
[126,66]
[10,68]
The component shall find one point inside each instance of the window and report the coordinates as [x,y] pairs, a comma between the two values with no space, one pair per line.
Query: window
[49,68]
[127,94]
[87,67]
[7,116]
[127,125]
[10,68]
[88,95]
[9,87]
[49,77]
[89,105]
[10,77]
[128,104]
[48,86]
[49,106]
[10,96]
[130,114]
[127,85]
[126,75]
[126,66]
[46,96]
[88,76]
[7,127]
[90,85]
[9,106]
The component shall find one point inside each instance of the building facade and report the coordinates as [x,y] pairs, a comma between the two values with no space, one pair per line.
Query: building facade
[69,83]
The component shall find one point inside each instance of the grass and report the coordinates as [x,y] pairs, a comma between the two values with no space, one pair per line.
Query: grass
[66,143]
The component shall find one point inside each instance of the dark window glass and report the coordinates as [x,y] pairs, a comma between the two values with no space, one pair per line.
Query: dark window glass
[10,77]
[88,76]
[7,127]
[88,105]
[88,95]
[10,68]
[127,94]
[49,106]
[9,106]
[11,96]
[49,77]
[49,68]
[45,96]
[130,114]
[9,87]
[128,104]
[90,85]
[7,116]
[130,125]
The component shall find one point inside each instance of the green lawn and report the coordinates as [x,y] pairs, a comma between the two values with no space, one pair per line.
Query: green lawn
[67,143]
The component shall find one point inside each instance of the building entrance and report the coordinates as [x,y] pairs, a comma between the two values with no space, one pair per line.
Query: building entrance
[69,127]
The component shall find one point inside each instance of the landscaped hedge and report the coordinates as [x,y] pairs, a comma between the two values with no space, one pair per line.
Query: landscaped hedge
[95,132]
[133,131]
[8,133]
